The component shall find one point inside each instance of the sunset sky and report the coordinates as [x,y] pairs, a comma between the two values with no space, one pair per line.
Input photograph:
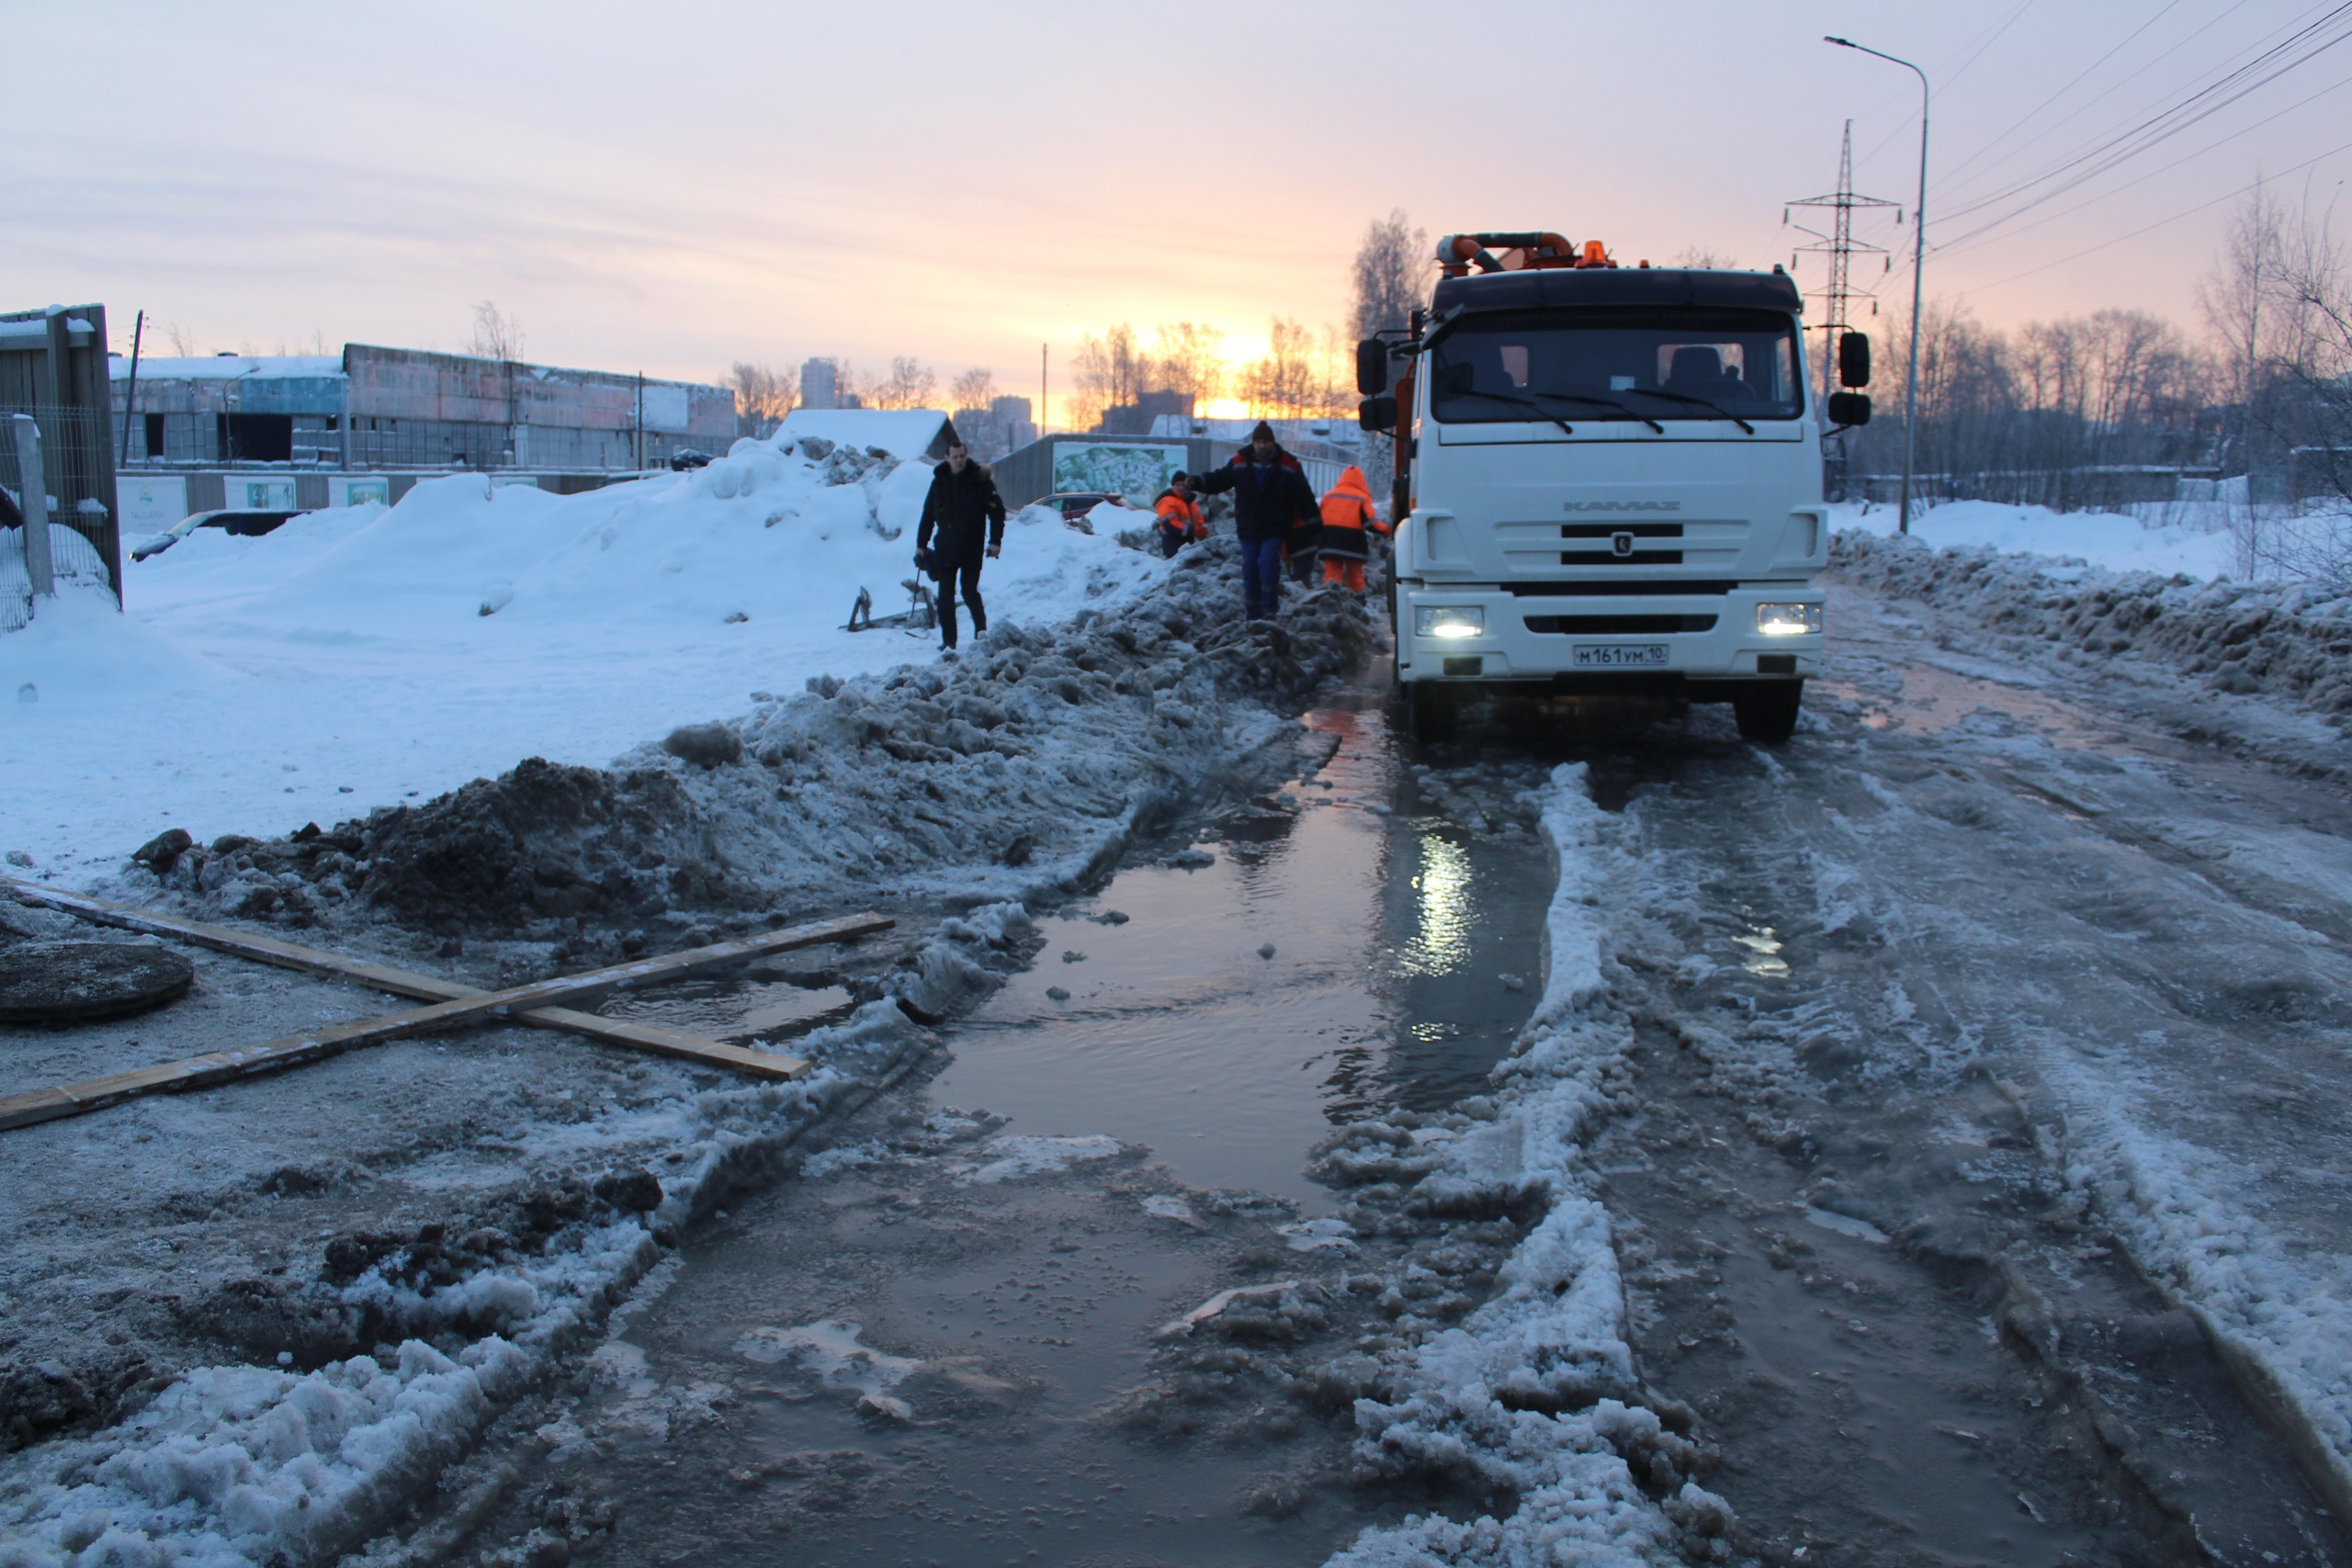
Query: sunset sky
[670,188]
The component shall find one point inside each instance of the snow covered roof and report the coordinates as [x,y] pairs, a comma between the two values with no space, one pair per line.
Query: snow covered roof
[228,366]
[905,434]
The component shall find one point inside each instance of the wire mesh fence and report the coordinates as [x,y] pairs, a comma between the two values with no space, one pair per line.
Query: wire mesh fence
[80,529]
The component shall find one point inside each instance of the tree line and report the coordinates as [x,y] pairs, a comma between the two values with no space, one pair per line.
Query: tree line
[2090,411]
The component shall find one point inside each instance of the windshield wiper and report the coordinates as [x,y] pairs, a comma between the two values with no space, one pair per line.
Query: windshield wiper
[1517,402]
[1700,403]
[1600,403]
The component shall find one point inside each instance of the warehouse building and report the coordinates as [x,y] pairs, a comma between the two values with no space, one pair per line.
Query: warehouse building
[383,409]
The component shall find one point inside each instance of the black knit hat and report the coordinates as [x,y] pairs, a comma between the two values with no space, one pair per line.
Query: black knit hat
[1264,430]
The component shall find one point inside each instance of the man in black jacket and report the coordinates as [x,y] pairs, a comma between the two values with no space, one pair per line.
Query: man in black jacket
[1270,497]
[962,506]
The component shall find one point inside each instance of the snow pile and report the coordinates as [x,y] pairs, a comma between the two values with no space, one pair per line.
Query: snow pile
[382,654]
[237,1465]
[2284,640]
[76,573]
[1534,1392]
[2190,539]
[1024,768]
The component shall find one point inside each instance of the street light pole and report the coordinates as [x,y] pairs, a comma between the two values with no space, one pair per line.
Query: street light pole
[1918,259]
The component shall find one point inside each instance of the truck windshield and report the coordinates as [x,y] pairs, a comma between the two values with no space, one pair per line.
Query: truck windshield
[1618,363]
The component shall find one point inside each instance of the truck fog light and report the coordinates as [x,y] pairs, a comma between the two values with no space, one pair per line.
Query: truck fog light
[1450,621]
[1788,620]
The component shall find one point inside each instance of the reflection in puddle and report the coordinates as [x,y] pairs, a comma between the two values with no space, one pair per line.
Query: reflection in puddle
[1442,943]
[1764,958]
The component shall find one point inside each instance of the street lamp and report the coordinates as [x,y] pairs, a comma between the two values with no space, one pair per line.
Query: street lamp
[1918,257]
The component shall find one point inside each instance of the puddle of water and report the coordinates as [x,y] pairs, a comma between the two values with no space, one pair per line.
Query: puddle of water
[1390,940]
[1935,700]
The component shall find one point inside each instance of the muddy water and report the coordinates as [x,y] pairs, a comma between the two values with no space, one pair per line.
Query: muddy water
[1229,1015]
[897,1358]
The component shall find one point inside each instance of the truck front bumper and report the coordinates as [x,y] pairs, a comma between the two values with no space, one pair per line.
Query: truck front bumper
[1604,642]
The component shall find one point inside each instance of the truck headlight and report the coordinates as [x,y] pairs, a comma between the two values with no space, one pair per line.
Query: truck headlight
[1788,620]
[1451,620]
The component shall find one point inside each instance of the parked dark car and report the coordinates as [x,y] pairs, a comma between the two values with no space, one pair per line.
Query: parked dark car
[687,457]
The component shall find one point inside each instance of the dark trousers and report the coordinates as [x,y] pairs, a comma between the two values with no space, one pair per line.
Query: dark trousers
[1170,542]
[968,574]
[1261,577]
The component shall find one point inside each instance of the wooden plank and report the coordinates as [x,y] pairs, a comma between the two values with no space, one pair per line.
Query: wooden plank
[222,1067]
[399,982]
[240,945]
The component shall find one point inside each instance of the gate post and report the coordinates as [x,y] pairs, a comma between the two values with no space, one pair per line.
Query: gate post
[36,507]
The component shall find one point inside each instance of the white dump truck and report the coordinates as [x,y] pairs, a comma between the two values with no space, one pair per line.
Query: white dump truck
[1608,482]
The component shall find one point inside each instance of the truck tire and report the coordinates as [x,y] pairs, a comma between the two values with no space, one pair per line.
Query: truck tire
[1768,716]
[1430,711]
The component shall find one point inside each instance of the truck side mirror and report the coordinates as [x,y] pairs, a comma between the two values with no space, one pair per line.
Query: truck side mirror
[1372,367]
[1850,408]
[1854,360]
[1378,413]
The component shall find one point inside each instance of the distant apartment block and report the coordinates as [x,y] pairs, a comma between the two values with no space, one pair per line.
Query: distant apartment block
[1002,426]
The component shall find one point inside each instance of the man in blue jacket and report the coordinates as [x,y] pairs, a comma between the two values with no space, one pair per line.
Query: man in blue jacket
[1270,497]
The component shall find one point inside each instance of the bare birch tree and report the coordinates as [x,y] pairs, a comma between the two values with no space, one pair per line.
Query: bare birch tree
[1392,260]
[762,396]
[497,335]
[975,390]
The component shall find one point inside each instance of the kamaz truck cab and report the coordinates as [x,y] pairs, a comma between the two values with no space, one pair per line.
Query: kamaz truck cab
[1608,482]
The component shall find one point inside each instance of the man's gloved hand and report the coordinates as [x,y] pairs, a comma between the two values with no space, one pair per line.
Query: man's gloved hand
[922,560]
[995,550]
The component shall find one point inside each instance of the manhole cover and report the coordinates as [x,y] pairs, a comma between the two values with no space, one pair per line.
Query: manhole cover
[75,982]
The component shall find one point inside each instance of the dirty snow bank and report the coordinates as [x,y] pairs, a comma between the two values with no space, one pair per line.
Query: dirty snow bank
[367,655]
[1534,1394]
[2274,1309]
[2289,642]
[1019,772]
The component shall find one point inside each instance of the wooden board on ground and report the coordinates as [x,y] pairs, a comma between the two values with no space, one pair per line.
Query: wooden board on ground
[400,983]
[224,1066]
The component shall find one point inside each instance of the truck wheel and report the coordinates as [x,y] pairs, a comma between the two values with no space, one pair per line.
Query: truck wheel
[1430,711]
[1769,716]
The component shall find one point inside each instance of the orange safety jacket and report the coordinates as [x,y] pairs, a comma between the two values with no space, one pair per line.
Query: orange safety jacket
[1347,512]
[1180,517]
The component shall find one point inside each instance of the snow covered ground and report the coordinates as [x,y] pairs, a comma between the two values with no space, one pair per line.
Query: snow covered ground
[2190,539]
[363,654]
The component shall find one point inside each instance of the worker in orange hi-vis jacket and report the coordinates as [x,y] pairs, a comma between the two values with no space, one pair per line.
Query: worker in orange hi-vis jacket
[1180,522]
[1347,514]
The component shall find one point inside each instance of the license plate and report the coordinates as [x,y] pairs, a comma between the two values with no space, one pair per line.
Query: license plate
[1632,656]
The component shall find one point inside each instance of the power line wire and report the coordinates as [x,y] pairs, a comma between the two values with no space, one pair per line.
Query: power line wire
[2161,222]
[1971,240]
[2020,124]
[2118,148]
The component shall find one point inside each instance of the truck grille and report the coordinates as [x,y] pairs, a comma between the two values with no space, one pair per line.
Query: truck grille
[1621,626]
[1615,543]
[1592,588]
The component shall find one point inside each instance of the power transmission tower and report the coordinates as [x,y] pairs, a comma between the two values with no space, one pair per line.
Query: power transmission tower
[1839,291]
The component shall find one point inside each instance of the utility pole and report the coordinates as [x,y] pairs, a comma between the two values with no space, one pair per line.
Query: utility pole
[1918,262]
[1839,246]
[1043,350]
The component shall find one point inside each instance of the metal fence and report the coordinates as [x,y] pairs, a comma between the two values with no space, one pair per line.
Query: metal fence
[81,530]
